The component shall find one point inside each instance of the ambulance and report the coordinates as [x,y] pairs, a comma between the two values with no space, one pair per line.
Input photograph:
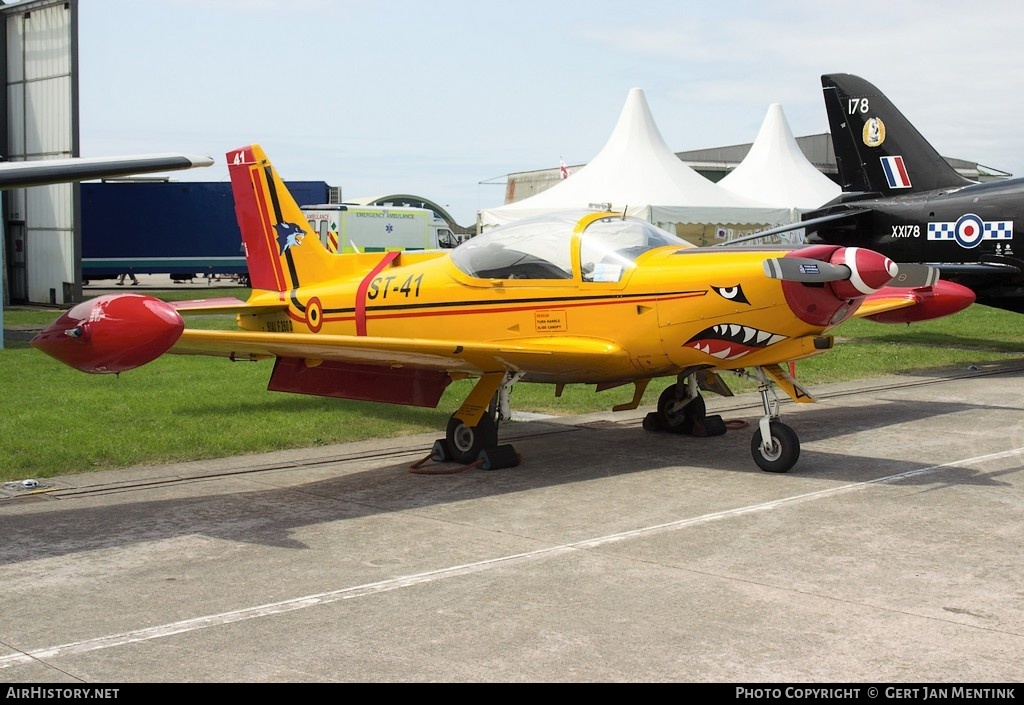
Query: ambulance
[353,228]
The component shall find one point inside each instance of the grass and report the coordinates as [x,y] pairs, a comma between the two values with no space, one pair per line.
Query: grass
[55,420]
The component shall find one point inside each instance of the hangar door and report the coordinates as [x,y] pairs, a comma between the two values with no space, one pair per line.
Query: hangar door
[41,113]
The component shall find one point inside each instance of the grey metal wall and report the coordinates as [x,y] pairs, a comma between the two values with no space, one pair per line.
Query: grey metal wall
[41,115]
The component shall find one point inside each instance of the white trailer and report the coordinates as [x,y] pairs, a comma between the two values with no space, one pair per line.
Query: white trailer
[352,228]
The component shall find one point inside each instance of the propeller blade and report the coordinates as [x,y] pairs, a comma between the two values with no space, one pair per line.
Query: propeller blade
[915,276]
[804,269]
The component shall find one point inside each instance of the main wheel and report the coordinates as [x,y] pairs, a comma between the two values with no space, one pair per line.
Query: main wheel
[466,442]
[784,451]
[679,418]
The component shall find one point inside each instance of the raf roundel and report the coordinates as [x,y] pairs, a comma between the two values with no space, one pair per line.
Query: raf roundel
[969,230]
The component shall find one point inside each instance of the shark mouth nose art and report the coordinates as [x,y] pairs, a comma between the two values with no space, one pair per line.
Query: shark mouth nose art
[729,341]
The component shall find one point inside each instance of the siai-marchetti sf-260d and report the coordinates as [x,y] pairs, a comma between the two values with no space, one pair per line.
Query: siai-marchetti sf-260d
[576,297]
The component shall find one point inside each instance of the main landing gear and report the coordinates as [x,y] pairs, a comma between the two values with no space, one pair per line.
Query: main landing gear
[477,443]
[471,438]
[465,442]
[681,409]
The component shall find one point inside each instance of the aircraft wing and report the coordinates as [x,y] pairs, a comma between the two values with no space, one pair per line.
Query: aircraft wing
[917,294]
[52,171]
[810,225]
[983,268]
[225,305]
[890,301]
[555,354]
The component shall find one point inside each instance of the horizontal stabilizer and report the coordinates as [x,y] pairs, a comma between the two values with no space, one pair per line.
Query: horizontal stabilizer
[224,305]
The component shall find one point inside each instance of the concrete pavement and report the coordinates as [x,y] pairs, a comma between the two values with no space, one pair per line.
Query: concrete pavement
[891,553]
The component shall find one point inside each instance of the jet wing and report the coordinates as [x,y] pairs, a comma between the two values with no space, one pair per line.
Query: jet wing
[52,171]
[985,269]
[547,355]
[811,224]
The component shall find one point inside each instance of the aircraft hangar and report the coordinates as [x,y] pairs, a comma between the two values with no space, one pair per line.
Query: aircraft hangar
[39,253]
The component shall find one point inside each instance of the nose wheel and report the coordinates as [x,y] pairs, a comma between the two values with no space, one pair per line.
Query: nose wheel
[781,450]
[775,445]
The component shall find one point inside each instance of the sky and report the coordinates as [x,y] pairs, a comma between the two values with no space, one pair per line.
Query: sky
[445,98]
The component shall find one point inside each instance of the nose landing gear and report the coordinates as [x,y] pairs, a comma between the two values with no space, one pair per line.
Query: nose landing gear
[775,445]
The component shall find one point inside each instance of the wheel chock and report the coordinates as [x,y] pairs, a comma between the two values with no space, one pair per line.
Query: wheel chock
[498,457]
[439,453]
[654,422]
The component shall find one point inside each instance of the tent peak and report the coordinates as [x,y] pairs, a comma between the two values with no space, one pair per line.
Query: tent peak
[637,168]
[775,169]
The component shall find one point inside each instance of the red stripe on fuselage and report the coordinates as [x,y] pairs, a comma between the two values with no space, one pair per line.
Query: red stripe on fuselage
[360,313]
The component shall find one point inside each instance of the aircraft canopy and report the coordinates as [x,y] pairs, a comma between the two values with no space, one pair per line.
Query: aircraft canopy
[541,247]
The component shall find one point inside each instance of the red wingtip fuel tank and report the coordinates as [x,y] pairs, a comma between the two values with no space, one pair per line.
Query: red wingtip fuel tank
[111,334]
[943,298]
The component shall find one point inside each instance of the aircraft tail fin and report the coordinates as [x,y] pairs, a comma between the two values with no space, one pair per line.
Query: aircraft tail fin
[877,148]
[281,250]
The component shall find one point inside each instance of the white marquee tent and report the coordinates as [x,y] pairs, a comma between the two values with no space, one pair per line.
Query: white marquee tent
[776,171]
[636,171]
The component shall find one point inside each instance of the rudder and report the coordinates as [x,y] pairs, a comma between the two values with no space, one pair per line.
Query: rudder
[281,250]
[877,148]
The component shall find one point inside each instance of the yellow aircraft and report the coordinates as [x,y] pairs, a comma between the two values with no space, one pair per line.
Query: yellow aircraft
[582,297]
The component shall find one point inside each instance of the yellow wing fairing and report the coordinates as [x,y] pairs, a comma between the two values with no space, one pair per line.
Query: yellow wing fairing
[891,302]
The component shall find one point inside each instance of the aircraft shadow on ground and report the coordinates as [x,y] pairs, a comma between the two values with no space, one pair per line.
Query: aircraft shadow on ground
[572,454]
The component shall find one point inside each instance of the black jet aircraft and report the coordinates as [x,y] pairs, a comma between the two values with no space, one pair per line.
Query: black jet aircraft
[901,198]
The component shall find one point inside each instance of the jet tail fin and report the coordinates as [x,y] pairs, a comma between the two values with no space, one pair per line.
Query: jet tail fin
[281,250]
[877,148]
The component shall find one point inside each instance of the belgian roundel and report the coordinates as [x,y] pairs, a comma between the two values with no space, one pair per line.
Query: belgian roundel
[314,315]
